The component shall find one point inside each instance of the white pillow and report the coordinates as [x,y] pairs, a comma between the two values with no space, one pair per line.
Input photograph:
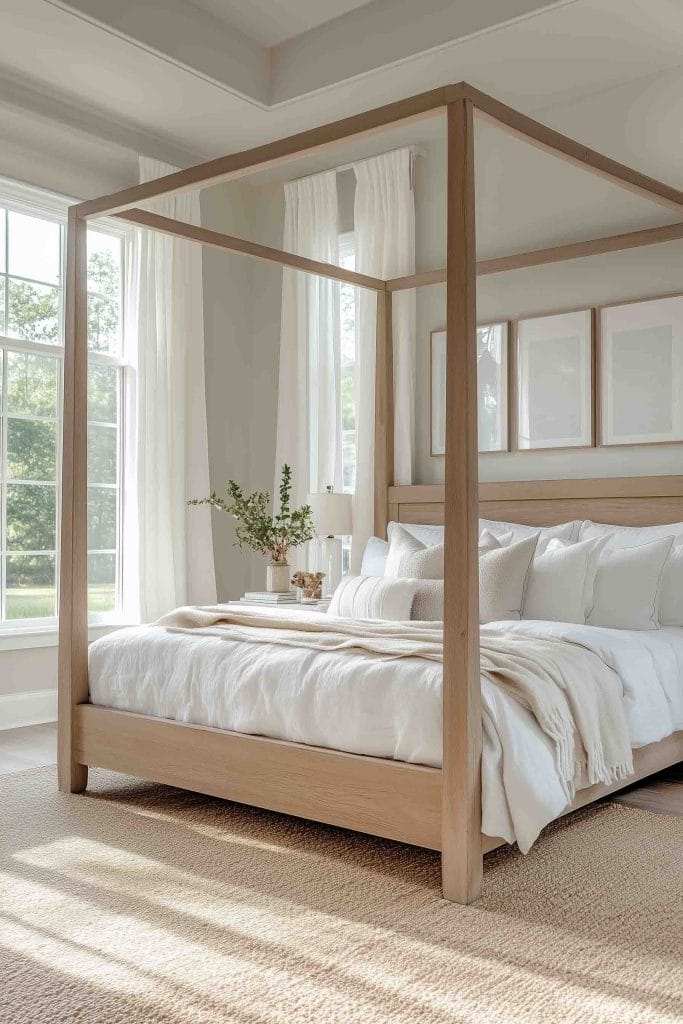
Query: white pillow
[433,534]
[429,534]
[489,542]
[671,597]
[374,557]
[502,580]
[373,597]
[562,580]
[563,531]
[628,586]
[408,556]
[671,602]
[428,601]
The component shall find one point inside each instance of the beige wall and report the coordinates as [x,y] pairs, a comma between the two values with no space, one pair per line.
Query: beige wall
[242,333]
[634,273]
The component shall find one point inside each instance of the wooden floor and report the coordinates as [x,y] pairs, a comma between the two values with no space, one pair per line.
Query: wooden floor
[36,745]
[31,747]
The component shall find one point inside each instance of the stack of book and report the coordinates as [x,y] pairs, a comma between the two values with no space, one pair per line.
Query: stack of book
[267,597]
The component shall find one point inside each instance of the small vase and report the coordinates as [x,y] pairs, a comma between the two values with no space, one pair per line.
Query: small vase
[277,577]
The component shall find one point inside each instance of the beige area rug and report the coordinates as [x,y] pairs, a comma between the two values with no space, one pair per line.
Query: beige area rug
[136,904]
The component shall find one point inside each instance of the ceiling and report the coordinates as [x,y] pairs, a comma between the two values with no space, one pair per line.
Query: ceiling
[273,21]
[217,76]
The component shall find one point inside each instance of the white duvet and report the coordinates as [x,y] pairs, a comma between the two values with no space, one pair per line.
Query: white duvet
[368,705]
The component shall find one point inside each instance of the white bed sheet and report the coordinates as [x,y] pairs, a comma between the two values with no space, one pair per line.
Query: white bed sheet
[367,705]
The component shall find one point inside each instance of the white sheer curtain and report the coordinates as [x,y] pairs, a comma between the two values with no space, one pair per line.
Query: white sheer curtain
[170,453]
[309,395]
[384,225]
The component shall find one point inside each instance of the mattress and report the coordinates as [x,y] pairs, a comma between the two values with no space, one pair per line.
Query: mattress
[392,709]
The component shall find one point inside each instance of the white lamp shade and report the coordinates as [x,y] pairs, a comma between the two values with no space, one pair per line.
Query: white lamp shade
[332,513]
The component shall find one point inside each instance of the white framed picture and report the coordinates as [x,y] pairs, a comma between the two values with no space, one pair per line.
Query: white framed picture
[641,372]
[492,376]
[554,381]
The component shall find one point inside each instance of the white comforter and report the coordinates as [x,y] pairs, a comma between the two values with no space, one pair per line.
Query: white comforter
[367,705]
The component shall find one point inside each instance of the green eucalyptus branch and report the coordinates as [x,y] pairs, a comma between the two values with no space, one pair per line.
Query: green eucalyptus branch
[270,535]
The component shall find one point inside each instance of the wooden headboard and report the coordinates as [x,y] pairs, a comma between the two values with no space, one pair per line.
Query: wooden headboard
[624,501]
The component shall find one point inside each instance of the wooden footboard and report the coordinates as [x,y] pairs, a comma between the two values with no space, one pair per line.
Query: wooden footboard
[368,794]
[383,797]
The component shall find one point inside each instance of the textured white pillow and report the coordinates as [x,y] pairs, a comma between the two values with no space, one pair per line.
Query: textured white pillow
[428,602]
[562,580]
[671,602]
[374,557]
[563,531]
[628,586]
[408,556]
[373,597]
[489,542]
[502,580]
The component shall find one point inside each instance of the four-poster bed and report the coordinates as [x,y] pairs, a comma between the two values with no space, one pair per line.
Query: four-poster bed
[436,808]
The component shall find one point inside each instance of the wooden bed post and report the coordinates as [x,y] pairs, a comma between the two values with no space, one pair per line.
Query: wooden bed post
[384,410]
[461,857]
[73,585]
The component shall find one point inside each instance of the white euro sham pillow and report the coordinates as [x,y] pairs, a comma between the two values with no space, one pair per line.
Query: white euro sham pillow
[520,531]
[373,597]
[374,557]
[502,580]
[628,586]
[408,556]
[671,600]
[428,533]
[489,542]
[561,581]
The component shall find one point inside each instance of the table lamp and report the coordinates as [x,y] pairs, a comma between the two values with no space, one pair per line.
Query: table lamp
[333,520]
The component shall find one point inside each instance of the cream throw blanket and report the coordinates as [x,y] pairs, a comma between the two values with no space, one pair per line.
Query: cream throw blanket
[575,697]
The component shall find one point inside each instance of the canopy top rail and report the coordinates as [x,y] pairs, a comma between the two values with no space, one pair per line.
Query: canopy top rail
[425,104]
[230,243]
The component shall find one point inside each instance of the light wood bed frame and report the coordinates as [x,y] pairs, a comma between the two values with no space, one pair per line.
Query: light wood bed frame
[435,808]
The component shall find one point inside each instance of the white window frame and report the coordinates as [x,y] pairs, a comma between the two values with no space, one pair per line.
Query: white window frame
[37,632]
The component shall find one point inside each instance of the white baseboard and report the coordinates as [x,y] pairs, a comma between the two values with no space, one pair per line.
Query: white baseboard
[32,708]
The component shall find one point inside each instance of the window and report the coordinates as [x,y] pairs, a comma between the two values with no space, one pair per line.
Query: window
[347,305]
[32,237]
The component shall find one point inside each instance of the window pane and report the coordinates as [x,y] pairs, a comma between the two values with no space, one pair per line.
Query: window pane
[101,518]
[349,459]
[33,312]
[102,451]
[102,393]
[104,264]
[34,247]
[101,583]
[3,327]
[31,449]
[3,221]
[31,384]
[103,325]
[30,586]
[30,517]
